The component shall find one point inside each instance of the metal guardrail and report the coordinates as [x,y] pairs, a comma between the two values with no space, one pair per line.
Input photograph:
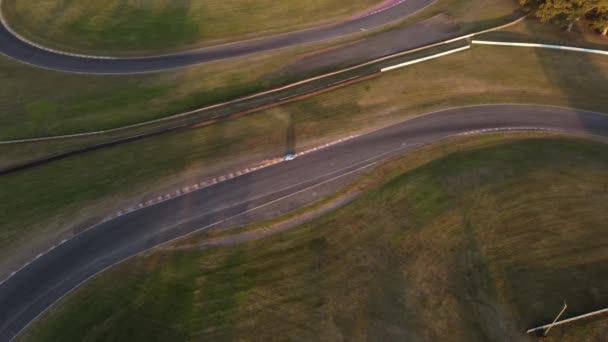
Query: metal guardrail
[419,60]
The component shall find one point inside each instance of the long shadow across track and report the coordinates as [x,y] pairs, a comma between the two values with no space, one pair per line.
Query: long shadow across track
[12,46]
[267,192]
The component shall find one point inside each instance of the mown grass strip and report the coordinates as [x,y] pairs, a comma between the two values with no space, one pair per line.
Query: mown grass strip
[153,27]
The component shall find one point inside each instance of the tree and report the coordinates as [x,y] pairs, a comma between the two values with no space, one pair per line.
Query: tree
[598,18]
[567,12]
[562,12]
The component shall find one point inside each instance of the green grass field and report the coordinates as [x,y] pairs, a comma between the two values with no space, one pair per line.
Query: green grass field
[468,239]
[34,106]
[485,266]
[156,26]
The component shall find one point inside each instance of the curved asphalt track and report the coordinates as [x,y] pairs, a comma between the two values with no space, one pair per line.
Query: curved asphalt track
[25,52]
[35,288]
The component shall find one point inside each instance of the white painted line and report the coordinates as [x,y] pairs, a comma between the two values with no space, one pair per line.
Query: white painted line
[542,46]
[507,129]
[425,59]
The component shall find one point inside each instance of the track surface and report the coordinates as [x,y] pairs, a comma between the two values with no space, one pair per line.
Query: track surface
[25,52]
[272,191]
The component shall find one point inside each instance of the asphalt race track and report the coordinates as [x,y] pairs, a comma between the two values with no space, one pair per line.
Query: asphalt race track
[15,48]
[267,192]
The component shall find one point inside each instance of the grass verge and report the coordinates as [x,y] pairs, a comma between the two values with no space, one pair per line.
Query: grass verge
[152,27]
[32,104]
[467,239]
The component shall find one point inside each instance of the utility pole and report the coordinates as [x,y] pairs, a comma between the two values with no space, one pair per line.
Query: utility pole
[569,320]
[556,318]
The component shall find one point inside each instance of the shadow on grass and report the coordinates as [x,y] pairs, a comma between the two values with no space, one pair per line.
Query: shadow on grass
[572,77]
[290,138]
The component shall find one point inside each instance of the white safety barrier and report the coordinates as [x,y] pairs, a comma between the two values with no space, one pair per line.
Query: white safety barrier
[540,46]
[419,60]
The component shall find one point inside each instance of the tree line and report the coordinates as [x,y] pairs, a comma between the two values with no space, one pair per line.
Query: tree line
[566,12]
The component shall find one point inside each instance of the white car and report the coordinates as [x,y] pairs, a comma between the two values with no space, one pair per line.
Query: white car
[289,156]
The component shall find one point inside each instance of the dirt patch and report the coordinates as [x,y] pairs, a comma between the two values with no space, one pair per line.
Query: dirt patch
[237,239]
